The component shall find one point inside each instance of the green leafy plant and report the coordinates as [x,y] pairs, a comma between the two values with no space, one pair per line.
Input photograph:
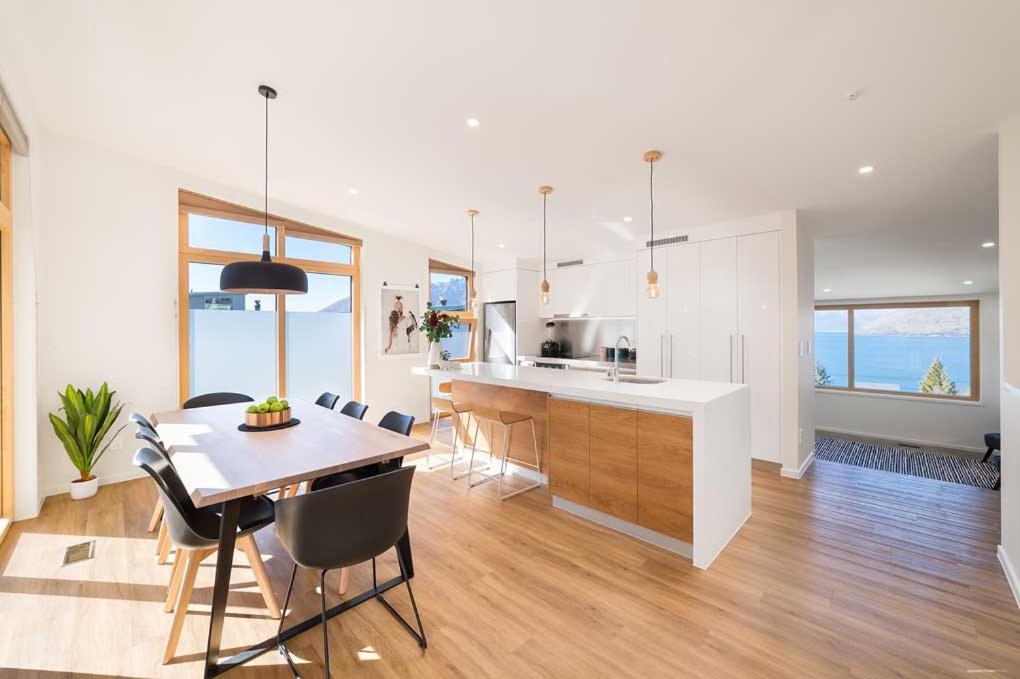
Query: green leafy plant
[822,377]
[88,418]
[937,381]
[437,325]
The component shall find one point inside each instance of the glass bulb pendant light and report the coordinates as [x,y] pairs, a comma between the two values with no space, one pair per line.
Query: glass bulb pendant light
[545,191]
[472,293]
[652,157]
[264,275]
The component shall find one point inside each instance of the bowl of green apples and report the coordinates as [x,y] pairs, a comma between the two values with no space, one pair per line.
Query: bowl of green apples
[270,413]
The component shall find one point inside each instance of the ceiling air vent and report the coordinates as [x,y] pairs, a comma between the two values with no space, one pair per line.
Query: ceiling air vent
[670,240]
[569,262]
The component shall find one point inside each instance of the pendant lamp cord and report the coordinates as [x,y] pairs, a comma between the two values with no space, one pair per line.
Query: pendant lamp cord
[472,246]
[545,197]
[651,210]
[266,184]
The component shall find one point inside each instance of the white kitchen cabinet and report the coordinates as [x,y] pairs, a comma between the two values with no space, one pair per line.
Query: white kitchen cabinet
[595,290]
[683,301]
[718,331]
[718,318]
[759,326]
[653,317]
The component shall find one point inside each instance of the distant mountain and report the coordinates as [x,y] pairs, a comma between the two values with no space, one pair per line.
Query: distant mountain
[453,290]
[341,306]
[921,321]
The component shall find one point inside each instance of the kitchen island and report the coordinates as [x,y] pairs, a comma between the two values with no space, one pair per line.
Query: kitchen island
[665,461]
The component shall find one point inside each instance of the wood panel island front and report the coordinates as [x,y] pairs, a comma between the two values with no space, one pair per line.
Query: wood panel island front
[664,461]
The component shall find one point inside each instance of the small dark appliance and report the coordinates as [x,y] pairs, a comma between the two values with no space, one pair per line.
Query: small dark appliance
[550,347]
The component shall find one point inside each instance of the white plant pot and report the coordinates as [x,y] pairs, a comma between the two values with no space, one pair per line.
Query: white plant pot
[81,490]
[433,358]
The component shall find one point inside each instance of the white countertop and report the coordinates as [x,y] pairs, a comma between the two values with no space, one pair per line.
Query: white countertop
[672,395]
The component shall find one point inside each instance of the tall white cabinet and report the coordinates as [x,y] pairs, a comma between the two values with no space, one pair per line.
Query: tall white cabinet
[718,318]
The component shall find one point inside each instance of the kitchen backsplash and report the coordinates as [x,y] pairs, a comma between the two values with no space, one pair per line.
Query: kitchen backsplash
[586,337]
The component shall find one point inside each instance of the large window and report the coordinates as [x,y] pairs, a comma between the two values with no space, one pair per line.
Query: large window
[925,349]
[450,290]
[297,346]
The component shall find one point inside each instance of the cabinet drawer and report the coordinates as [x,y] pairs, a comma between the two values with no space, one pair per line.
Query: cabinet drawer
[665,479]
[613,465]
[568,450]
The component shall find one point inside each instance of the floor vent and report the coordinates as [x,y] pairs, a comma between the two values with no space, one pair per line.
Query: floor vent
[569,262]
[670,240]
[82,551]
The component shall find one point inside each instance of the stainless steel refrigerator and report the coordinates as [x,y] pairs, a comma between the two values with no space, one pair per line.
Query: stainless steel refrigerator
[499,333]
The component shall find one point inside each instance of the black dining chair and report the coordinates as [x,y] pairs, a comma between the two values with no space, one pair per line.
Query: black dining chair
[195,532]
[355,410]
[142,421]
[326,529]
[146,432]
[393,421]
[216,398]
[327,400]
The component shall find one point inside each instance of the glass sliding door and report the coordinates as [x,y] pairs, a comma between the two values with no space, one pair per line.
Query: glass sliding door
[231,337]
[320,339]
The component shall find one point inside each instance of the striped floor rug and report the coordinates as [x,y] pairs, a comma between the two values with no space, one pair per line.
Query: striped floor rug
[921,463]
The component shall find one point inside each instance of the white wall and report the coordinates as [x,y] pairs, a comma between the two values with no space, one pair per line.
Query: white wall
[918,420]
[107,287]
[1009,289]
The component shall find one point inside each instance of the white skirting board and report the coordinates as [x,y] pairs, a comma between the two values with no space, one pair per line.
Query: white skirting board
[798,473]
[1011,575]
[626,527]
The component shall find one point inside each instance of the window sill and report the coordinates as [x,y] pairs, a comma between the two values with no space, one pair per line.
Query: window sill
[898,397]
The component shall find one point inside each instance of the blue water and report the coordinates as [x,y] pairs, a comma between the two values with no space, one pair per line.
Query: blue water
[896,362]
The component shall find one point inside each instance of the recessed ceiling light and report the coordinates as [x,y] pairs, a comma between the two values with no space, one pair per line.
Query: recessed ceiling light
[968,282]
[827,290]
[628,219]
[352,191]
[473,122]
[988,244]
[501,245]
[866,169]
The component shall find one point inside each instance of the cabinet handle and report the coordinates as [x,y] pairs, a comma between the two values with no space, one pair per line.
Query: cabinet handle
[743,344]
[731,357]
[671,355]
[662,355]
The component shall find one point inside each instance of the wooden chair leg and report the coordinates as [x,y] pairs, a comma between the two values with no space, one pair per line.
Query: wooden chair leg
[345,580]
[194,558]
[157,512]
[251,550]
[173,590]
[165,545]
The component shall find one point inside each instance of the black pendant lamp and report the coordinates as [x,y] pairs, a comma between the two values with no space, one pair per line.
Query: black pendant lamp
[264,276]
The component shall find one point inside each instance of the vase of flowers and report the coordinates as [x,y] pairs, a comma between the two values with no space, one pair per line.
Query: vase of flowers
[436,326]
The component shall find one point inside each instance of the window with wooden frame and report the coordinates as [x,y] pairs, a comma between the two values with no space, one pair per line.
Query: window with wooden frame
[450,291]
[296,346]
[921,349]
[6,338]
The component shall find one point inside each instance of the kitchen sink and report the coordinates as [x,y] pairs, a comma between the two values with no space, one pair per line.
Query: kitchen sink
[634,379]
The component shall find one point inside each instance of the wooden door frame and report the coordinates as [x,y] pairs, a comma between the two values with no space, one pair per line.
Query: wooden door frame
[6,337]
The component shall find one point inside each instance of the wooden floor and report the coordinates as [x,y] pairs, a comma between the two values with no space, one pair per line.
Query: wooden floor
[848,573]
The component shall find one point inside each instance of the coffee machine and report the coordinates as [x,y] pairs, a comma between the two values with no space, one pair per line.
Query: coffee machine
[550,347]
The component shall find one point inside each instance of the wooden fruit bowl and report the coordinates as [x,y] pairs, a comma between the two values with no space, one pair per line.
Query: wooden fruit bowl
[267,419]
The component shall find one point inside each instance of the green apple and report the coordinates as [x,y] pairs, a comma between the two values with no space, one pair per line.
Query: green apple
[275,407]
[272,399]
[252,409]
[285,404]
[263,408]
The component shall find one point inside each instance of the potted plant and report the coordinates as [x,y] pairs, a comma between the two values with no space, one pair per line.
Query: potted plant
[437,326]
[88,418]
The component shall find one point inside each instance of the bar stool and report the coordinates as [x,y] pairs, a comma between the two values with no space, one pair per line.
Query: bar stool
[507,419]
[442,406]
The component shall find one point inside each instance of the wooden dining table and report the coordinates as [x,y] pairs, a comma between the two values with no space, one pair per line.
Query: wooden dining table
[221,465]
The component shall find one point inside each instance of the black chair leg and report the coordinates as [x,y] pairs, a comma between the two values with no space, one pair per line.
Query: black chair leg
[988,454]
[279,630]
[419,635]
[325,629]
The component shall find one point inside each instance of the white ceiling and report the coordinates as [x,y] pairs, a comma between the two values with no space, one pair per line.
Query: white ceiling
[747,99]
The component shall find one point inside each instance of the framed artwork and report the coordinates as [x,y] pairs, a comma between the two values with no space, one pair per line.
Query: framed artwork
[400,317]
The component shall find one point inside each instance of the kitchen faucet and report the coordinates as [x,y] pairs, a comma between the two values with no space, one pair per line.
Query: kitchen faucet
[615,372]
